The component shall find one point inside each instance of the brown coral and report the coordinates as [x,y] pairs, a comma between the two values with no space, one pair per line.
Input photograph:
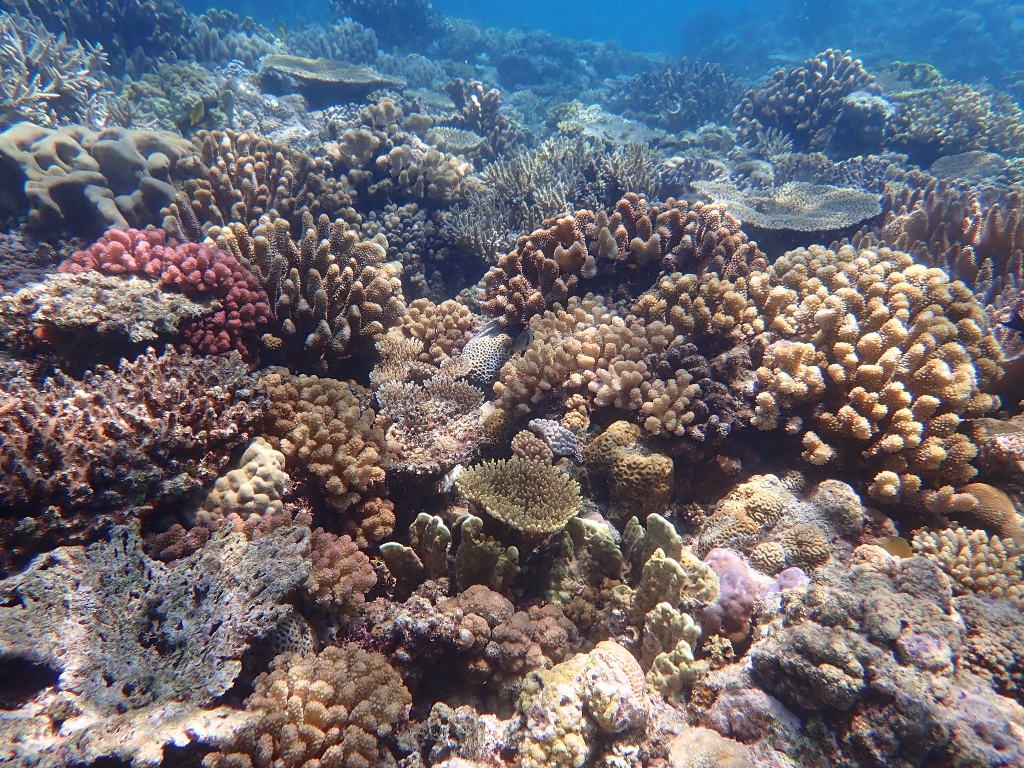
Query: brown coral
[331,293]
[340,573]
[324,429]
[334,708]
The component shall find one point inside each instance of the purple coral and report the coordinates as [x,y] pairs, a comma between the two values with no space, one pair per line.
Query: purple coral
[791,578]
[561,441]
[730,614]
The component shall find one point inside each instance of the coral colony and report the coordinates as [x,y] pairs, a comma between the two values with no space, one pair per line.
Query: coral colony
[394,391]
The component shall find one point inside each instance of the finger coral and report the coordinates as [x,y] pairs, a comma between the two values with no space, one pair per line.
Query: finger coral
[976,562]
[334,708]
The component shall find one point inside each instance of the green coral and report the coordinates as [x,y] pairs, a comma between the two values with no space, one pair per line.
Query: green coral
[482,559]
[670,639]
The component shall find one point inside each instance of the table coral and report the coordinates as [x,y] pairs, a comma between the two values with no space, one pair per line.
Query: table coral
[529,497]
[334,708]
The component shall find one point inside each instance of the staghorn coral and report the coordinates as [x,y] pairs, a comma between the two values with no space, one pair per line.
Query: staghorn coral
[975,562]
[86,181]
[334,708]
[331,294]
[255,488]
[638,484]
[796,205]
[48,80]
[530,497]
[152,645]
[154,429]
[805,102]
[324,430]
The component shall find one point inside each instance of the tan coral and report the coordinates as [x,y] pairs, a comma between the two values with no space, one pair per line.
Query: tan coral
[975,562]
[254,489]
[333,708]
[324,430]
[638,484]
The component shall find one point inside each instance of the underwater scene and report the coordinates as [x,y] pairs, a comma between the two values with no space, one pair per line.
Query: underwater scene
[388,384]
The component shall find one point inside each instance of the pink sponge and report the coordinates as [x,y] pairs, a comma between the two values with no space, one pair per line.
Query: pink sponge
[730,614]
[196,270]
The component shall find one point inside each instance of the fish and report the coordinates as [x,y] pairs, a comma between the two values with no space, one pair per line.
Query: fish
[198,113]
[897,546]
[1013,320]
[522,341]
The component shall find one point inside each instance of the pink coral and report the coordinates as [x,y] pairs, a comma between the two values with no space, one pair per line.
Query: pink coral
[194,269]
[730,614]
[341,573]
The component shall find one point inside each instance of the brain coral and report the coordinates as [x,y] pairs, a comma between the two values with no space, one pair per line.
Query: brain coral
[334,708]
[638,484]
[530,497]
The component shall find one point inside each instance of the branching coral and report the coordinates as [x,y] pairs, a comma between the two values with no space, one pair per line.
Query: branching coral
[325,430]
[339,573]
[546,267]
[198,271]
[48,80]
[334,708]
[976,562]
[331,294]
[806,101]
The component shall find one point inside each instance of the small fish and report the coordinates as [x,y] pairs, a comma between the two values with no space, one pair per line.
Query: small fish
[897,546]
[448,481]
[522,341]
[198,112]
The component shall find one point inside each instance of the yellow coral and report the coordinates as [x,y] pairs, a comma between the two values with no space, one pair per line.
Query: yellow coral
[638,484]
